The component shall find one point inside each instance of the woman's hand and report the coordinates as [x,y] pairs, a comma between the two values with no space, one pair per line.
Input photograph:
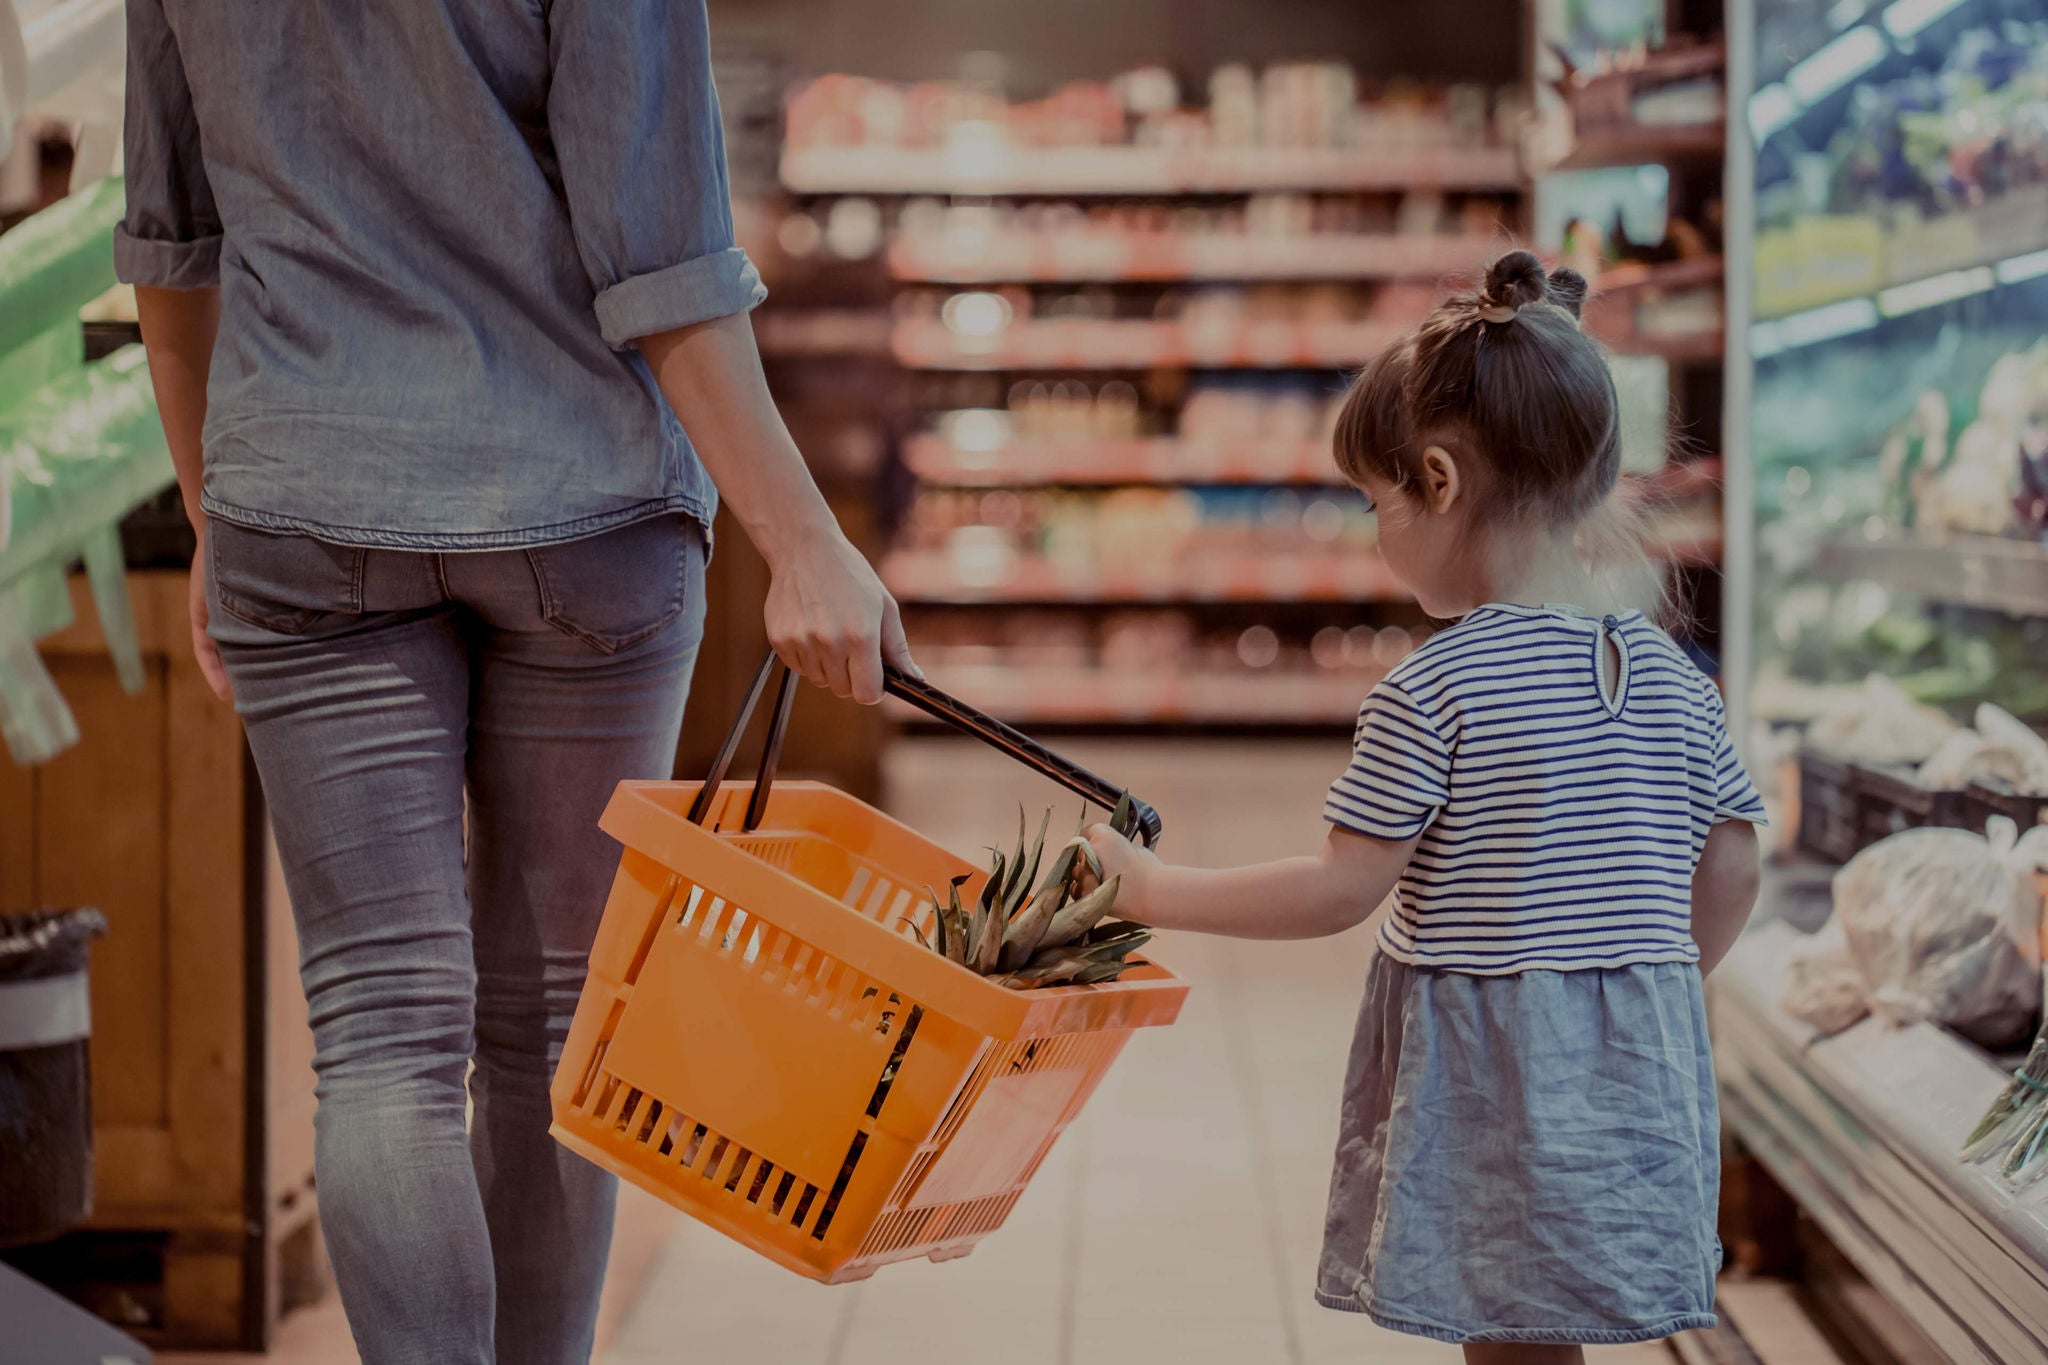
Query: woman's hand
[1137,866]
[204,650]
[829,618]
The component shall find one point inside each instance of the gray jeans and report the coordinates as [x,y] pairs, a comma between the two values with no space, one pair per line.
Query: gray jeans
[378,688]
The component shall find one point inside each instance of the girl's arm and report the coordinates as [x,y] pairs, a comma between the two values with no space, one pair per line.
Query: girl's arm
[1724,887]
[1308,897]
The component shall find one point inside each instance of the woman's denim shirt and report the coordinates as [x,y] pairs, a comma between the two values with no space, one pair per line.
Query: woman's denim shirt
[438,227]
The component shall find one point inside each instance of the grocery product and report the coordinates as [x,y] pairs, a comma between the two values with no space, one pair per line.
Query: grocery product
[1880,723]
[2000,749]
[1943,925]
[1053,935]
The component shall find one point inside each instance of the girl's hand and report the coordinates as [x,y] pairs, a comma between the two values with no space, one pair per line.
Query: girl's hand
[1137,866]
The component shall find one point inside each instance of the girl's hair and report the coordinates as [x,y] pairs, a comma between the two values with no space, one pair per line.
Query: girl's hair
[1506,375]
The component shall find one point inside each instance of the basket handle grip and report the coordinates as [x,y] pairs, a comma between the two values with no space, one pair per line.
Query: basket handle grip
[932,702]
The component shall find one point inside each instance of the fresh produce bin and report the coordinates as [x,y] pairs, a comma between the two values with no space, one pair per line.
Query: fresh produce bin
[1890,801]
[762,1042]
[45,1079]
[1827,807]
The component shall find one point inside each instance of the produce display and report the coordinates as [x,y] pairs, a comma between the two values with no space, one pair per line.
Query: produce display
[1056,933]
[1130,529]
[1294,104]
[1889,461]
[1938,162]
[2014,1130]
[1940,138]
[1935,925]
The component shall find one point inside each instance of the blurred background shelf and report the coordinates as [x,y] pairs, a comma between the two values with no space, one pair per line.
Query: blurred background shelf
[963,257]
[1977,571]
[1059,695]
[921,577]
[1640,145]
[975,167]
[1141,344]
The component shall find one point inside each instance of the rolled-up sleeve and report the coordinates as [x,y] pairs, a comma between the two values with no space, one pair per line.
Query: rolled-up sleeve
[171,236]
[642,151]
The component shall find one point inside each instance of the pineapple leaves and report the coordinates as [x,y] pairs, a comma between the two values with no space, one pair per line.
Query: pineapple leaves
[1024,932]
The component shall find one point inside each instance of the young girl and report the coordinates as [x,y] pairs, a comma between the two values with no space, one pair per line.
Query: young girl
[1528,1156]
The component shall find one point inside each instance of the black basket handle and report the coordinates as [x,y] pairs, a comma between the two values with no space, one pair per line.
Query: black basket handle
[932,702]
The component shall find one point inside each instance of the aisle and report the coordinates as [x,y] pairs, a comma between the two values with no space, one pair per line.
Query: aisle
[1179,1219]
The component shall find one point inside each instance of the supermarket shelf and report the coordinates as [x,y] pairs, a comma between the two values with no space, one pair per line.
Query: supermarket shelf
[1141,344]
[983,169]
[1861,310]
[1977,571]
[1862,1128]
[937,578]
[1050,694]
[1168,460]
[823,333]
[1686,348]
[1697,273]
[1098,255]
[1141,460]
[1641,146]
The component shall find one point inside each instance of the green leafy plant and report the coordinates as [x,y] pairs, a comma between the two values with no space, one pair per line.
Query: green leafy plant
[1053,933]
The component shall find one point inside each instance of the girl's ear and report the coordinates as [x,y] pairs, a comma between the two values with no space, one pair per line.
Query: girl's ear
[1441,483]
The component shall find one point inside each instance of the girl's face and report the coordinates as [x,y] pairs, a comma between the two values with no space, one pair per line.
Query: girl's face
[1423,536]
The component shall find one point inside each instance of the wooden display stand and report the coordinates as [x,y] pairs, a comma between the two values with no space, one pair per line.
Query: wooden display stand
[204,1223]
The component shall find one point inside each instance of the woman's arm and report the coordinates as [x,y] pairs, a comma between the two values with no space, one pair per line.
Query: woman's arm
[178,328]
[1724,888]
[1309,897]
[828,615]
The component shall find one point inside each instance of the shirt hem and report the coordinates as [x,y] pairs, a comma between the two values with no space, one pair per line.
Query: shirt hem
[1538,962]
[517,539]
[1397,1320]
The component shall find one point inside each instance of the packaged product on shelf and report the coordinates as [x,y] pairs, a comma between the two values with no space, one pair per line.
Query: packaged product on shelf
[1943,926]
[2000,749]
[1822,985]
[1880,723]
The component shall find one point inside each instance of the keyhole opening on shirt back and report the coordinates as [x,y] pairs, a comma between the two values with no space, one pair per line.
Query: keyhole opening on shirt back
[1608,664]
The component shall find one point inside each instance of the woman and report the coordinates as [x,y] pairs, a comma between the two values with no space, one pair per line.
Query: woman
[447,294]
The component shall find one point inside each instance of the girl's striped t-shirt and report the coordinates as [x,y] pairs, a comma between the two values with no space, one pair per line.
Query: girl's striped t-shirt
[1561,804]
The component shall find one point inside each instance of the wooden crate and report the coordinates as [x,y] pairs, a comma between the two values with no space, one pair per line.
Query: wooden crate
[203,1226]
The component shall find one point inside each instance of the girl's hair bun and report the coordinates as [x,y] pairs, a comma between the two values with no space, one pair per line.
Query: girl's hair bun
[1568,290]
[1516,280]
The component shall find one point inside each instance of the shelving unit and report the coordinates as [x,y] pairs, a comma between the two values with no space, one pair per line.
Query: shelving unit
[1874,328]
[1085,255]
[984,166]
[1671,311]
[1985,572]
[1177,279]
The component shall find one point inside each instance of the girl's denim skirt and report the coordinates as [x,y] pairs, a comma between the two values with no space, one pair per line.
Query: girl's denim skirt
[1527,1158]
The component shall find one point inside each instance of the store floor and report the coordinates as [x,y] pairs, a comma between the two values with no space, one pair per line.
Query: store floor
[1178,1220]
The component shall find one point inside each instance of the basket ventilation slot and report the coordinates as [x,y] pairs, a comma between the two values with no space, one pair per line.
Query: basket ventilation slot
[671,1135]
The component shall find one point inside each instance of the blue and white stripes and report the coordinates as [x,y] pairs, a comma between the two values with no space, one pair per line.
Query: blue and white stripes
[1559,819]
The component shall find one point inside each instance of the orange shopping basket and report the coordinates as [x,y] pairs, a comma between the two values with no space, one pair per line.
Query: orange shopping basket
[761,1043]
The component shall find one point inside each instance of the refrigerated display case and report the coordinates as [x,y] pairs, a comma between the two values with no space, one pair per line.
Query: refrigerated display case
[1887,422]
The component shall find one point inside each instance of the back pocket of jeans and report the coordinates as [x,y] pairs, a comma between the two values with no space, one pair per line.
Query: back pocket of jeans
[614,590]
[283,583]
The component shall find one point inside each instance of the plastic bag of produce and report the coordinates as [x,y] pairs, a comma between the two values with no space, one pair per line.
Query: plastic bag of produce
[1944,925]
[1880,723]
[2001,749]
[1822,985]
